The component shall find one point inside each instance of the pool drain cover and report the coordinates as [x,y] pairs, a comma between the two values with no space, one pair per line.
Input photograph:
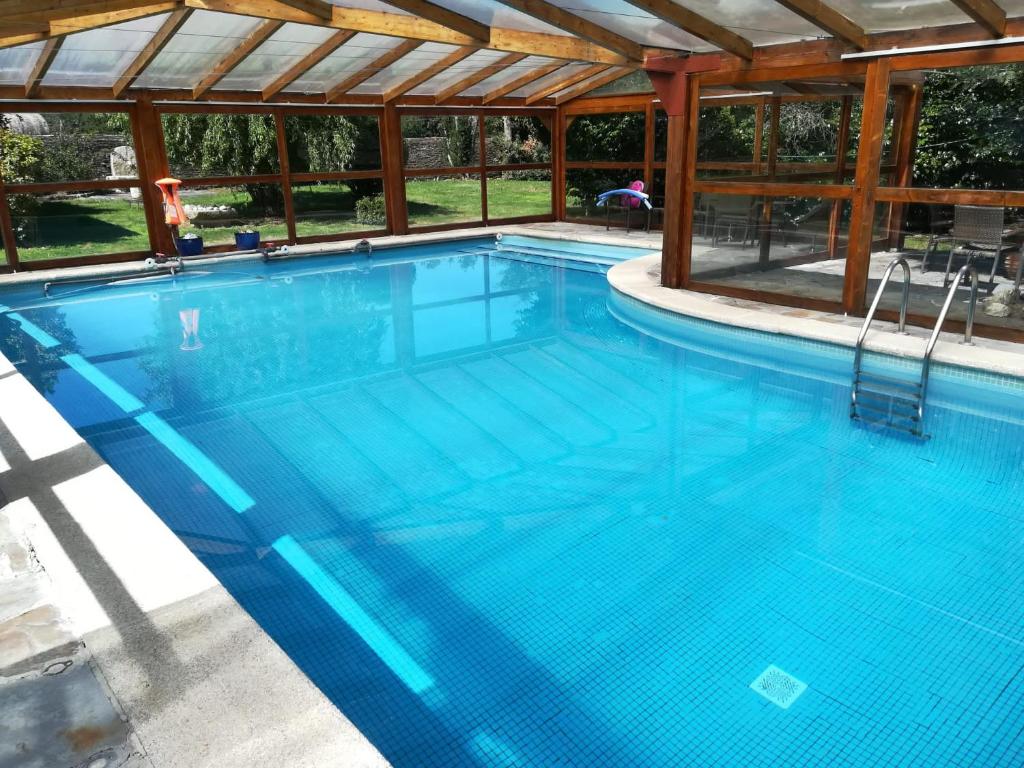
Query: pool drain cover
[780,688]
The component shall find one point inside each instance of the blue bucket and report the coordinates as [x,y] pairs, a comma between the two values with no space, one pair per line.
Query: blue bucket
[247,241]
[192,246]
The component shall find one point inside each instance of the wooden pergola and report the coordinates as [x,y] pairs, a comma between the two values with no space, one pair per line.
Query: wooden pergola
[537,57]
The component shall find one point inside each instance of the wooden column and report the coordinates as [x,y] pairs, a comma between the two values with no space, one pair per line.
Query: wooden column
[151,158]
[910,118]
[7,229]
[865,186]
[558,128]
[680,173]
[842,145]
[286,174]
[483,167]
[765,239]
[394,178]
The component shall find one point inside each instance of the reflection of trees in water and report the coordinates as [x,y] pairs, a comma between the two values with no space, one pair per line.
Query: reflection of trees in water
[38,364]
[261,342]
[536,280]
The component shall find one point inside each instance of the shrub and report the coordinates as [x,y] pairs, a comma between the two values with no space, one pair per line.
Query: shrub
[20,157]
[371,210]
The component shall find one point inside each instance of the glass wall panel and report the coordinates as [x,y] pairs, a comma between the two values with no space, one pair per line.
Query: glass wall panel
[443,200]
[338,207]
[582,186]
[332,143]
[76,225]
[70,146]
[725,141]
[511,194]
[440,141]
[220,144]
[217,213]
[514,139]
[616,137]
[937,240]
[732,246]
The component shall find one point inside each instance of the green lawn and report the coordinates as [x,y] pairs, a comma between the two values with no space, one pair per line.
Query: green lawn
[73,227]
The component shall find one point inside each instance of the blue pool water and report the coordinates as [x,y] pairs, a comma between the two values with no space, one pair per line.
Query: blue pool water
[502,517]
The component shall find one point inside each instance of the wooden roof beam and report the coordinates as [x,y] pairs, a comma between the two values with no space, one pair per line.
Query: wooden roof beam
[445,17]
[613,74]
[523,80]
[698,26]
[579,26]
[142,60]
[827,18]
[434,69]
[562,83]
[34,26]
[987,13]
[316,7]
[337,91]
[42,65]
[307,62]
[255,39]
[479,76]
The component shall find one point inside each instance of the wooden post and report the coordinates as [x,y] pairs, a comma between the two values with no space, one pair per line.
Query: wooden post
[910,119]
[842,145]
[865,186]
[558,129]
[286,175]
[680,173]
[151,158]
[483,167]
[394,178]
[765,239]
[7,238]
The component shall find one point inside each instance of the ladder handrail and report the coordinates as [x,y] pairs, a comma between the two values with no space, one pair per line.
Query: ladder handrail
[904,300]
[966,269]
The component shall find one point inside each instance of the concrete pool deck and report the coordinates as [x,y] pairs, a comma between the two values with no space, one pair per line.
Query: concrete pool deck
[119,648]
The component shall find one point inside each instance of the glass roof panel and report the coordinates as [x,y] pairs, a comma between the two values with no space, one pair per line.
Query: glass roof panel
[632,22]
[190,55]
[1013,8]
[559,74]
[357,53]
[574,86]
[495,14]
[284,48]
[761,22]
[457,72]
[404,68]
[98,56]
[885,15]
[16,63]
[507,75]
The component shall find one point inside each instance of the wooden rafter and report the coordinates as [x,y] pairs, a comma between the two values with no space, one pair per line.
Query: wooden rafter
[830,20]
[445,17]
[524,79]
[564,82]
[985,12]
[316,7]
[434,69]
[255,39]
[579,26]
[307,62]
[697,25]
[382,62]
[65,9]
[39,69]
[415,28]
[142,60]
[479,76]
[587,86]
[33,27]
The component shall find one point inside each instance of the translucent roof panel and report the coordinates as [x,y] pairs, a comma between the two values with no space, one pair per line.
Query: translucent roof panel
[631,22]
[356,54]
[16,63]
[407,66]
[456,72]
[97,57]
[370,5]
[285,47]
[507,75]
[885,15]
[559,74]
[202,41]
[760,21]
[495,14]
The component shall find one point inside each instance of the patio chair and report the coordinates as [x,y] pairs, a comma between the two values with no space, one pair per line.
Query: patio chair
[729,215]
[977,234]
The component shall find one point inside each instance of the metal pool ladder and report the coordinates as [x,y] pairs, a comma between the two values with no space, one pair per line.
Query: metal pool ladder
[891,401]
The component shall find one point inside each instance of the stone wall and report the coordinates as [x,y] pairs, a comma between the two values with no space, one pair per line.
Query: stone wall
[96,147]
[430,152]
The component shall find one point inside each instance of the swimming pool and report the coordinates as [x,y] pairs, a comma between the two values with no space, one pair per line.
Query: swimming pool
[503,517]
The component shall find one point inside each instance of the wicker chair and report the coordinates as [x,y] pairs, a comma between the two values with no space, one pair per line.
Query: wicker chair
[977,234]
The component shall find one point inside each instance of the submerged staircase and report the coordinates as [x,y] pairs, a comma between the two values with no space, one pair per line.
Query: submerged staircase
[892,401]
